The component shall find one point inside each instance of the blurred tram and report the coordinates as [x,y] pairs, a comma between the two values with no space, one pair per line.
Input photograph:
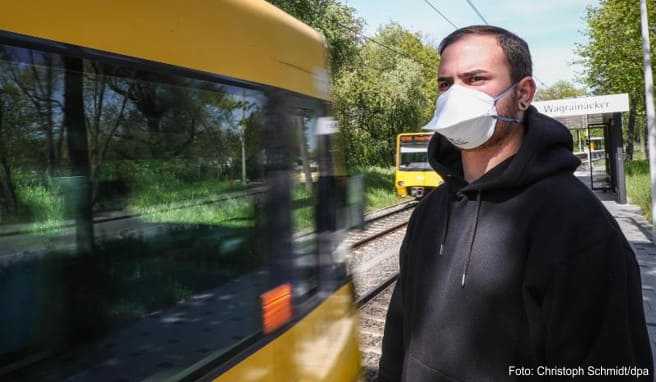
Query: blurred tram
[172,200]
[414,176]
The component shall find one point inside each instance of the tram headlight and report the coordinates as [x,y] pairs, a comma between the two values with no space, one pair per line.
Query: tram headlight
[400,183]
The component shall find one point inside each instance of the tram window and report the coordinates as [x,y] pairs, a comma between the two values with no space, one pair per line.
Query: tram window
[414,157]
[128,209]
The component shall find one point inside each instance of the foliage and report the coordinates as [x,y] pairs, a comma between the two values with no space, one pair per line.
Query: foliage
[44,203]
[386,93]
[638,186]
[156,140]
[379,187]
[335,20]
[612,54]
[382,86]
[559,90]
[176,191]
[613,60]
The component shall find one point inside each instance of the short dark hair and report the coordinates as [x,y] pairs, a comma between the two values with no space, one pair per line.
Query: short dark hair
[514,47]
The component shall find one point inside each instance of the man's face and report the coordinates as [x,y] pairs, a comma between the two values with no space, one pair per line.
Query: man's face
[478,62]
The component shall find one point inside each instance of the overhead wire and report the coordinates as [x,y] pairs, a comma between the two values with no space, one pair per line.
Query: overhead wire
[471,4]
[396,51]
[405,55]
[440,13]
[477,12]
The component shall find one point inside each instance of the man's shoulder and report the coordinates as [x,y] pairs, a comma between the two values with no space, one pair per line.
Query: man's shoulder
[433,198]
[568,200]
[431,205]
[563,190]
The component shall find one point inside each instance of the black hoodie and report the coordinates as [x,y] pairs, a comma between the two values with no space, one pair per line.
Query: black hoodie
[523,267]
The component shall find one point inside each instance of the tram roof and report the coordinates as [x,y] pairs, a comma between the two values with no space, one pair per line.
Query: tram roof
[249,40]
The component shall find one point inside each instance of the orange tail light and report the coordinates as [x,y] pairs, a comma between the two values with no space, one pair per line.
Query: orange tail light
[276,307]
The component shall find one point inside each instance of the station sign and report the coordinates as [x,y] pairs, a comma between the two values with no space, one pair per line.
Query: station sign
[613,103]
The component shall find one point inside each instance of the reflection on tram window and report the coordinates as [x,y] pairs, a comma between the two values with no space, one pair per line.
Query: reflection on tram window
[128,210]
[305,169]
[305,172]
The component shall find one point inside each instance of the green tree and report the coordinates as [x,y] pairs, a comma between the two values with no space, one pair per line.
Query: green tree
[612,57]
[8,141]
[335,20]
[559,90]
[390,89]
[382,86]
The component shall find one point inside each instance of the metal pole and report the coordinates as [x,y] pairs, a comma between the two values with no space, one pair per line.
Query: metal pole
[590,158]
[619,159]
[649,103]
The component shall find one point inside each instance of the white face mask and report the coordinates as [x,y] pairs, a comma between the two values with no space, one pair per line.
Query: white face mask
[467,117]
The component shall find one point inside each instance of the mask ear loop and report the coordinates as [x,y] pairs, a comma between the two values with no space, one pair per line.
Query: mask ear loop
[503,93]
[506,119]
[498,97]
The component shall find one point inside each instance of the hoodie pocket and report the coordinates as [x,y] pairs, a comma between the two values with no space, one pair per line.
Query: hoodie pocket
[417,371]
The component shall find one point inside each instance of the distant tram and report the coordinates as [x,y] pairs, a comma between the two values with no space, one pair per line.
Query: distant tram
[413,175]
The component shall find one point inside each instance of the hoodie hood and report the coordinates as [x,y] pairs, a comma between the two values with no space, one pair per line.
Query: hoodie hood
[546,149]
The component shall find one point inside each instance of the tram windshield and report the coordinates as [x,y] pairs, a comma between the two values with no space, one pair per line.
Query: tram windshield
[414,157]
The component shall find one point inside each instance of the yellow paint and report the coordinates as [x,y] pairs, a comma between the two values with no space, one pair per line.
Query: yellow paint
[321,347]
[405,179]
[243,39]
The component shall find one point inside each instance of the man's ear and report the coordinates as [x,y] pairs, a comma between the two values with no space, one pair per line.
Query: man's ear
[525,92]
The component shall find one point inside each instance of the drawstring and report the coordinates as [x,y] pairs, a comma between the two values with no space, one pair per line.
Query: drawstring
[473,237]
[446,225]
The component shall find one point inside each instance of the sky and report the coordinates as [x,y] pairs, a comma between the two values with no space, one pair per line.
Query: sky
[550,27]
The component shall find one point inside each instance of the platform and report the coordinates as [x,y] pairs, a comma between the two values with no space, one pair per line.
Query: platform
[640,234]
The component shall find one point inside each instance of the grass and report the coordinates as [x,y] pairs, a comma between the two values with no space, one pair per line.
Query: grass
[638,186]
[159,191]
[379,187]
[42,204]
[171,190]
[45,204]
[303,217]
[233,212]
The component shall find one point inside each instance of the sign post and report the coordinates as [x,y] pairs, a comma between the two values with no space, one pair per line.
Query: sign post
[649,103]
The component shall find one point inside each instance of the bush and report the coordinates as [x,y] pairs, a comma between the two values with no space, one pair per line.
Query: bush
[40,203]
[638,185]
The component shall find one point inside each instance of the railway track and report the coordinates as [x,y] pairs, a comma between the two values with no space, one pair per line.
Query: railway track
[375,270]
[378,225]
[381,223]
[372,315]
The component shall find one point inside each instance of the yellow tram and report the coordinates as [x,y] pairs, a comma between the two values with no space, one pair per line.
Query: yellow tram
[414,175]
[154,224]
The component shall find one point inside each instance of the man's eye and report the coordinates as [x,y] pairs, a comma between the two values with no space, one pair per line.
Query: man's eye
[442,86]
[477,79]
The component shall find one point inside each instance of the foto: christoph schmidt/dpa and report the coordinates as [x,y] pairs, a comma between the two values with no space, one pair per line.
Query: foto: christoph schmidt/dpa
[632,371]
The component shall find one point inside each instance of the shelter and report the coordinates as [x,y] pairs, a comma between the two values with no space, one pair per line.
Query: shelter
[596,126]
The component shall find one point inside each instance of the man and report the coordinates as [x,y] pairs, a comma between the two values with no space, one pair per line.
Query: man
[512,268]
